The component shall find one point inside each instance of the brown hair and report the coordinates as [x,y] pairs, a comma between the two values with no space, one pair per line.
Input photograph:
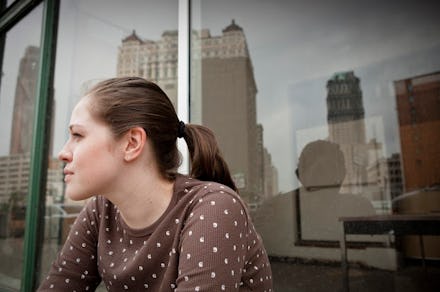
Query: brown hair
[127,102]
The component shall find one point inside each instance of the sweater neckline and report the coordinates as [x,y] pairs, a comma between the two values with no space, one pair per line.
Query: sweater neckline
[149,229]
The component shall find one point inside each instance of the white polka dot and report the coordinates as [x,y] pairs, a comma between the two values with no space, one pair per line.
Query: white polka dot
[212,203]
[202,239]
[200,264]
[212,274]
[133,278]
[226,212]
[214,249]
[197,288]
[214,224]
[202,217]
[167,233]
[67,280]
[141,268]
[188,256]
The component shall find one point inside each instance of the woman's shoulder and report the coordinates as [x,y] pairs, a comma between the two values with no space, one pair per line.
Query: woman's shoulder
[198,188]
[195,192]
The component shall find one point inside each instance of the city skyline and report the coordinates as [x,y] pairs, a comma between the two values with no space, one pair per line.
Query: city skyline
[292,60]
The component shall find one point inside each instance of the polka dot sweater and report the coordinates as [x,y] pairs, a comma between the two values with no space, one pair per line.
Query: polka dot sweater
[204,241]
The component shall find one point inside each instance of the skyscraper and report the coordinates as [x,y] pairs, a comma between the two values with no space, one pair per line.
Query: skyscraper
[223,95]
[24,102]
[153,60]
[418,109]
[345,117]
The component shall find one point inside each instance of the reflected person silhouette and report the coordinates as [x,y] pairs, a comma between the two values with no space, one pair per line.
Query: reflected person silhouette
[321,170]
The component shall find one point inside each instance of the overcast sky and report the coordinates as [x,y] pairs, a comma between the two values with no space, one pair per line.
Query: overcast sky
[295,47]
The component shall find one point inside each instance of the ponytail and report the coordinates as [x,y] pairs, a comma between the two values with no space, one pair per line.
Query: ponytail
[207,162]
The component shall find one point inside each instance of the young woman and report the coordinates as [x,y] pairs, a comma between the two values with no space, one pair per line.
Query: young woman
[146,227]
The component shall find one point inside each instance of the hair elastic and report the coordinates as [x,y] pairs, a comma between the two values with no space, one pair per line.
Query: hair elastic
[181,130]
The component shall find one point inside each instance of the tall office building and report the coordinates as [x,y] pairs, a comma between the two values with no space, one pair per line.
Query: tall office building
[418,109]
[24,102]
[223,95]
[153,60]
[345,117]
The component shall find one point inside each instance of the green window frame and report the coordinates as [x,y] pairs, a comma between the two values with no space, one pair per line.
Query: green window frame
[34,230]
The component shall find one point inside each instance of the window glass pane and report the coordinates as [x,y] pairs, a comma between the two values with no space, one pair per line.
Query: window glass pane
[17,103]
[343,95]
[98,40]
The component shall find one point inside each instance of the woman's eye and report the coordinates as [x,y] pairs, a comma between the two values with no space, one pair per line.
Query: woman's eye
[76,135]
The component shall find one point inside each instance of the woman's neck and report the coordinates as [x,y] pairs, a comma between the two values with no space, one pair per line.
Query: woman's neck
[144,200]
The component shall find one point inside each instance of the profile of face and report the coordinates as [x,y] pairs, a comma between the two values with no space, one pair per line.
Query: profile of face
[91,155]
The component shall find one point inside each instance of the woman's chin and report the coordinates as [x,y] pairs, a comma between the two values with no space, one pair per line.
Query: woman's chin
[77,196]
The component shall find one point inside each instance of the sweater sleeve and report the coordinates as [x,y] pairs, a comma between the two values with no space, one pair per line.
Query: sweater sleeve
[75,268]
[213,245]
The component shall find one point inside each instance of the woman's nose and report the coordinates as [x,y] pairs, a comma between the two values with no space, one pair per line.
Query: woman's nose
[65,155]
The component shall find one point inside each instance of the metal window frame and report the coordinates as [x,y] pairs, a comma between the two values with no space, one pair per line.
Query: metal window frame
[183,77]
[34,231]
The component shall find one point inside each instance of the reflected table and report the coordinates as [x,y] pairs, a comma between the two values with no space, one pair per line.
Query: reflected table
[399,224]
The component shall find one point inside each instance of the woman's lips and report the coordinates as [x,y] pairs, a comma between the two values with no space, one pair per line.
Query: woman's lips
[67,174]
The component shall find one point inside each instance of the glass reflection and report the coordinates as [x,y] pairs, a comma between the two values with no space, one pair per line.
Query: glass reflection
[17,103]
[96,41]
[290,85]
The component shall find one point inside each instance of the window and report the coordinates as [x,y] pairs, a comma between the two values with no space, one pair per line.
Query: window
[316,88]
[17,103]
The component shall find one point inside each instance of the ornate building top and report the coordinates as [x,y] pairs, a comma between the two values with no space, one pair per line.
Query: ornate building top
[132,37]
[232,27]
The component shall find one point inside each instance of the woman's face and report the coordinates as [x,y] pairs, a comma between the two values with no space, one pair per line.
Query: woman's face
[92,155]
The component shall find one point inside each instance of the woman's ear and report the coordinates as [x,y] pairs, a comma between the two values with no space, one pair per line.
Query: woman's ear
[135,140]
